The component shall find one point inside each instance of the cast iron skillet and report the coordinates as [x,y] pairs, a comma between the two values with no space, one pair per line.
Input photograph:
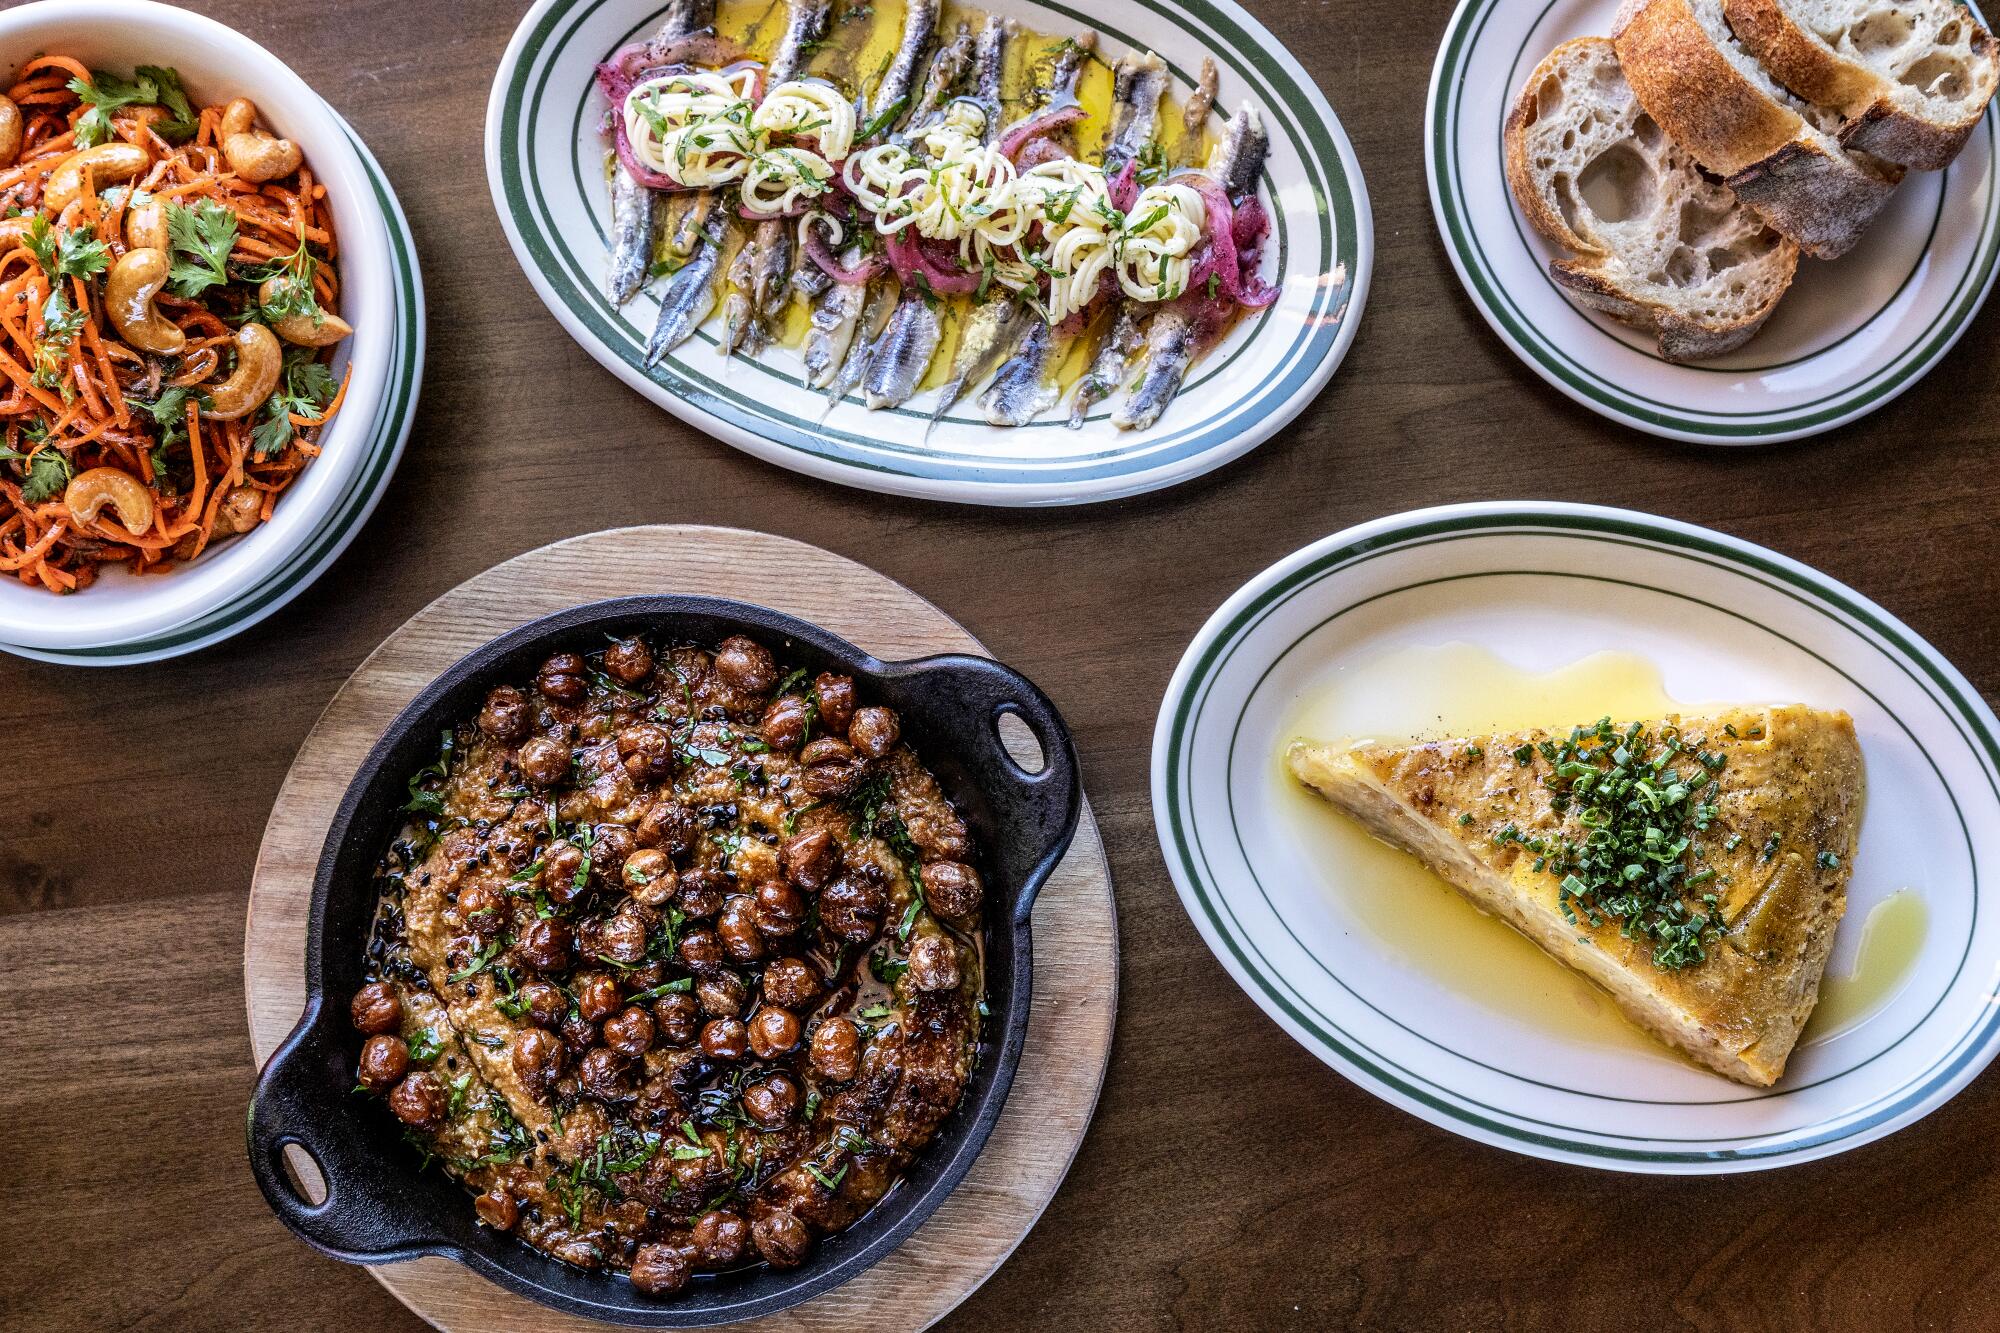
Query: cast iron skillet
[379,1207]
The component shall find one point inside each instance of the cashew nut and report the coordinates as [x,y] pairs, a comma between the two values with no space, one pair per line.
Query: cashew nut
[13,231]
[251,153]
[258,361]
[102,165]
[304,330]
[10,131]
[128,299]
[242,509]
[146,223]
[89,492]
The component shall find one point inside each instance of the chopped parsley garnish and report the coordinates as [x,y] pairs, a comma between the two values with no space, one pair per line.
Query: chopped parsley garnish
[425,1046]
[1638,809]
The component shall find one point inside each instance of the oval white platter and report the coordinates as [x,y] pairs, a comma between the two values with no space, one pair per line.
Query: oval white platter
[545,166]
[1542,585]
[1851,335]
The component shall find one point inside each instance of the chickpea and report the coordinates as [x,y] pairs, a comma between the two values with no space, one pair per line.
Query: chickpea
[605,1075]
[579,1034]
[834,696]
[542,761]
[630,1033]
[781,909]
[874,732]
[623,938]
[719,1238]
[545,945]
[725,1039]
[669,826]
[701,893]
[772,1103]
[597,995]
[546,1004]
[952,889]
[483,909]
[810,859]
[791,982]
[722,995]
[773,1032]
[376,1009]
[419,1101]
[384,1060]
[610,845]
[832,769]
[562,680]
[746,665]
[851,909]
[646,749]
[934,964]
[836,1050]
[662,1270]
[701,952]
[677,1018]
[562,866]
[506,716]
[538,1058]
[784,725]
[738,928]
[628,661]
[782,1239]
[649,877]
[497,1209]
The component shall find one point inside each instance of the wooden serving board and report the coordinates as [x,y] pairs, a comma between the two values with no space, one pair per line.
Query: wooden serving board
[1075,928]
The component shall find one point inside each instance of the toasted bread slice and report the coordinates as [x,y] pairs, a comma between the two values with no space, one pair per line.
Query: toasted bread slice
[1480,813]
[1658,244]
[1913,77]
[1775,151]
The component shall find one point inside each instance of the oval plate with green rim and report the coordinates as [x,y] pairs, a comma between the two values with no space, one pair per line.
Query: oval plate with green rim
[545,163]
[1850,335]
[1543,585]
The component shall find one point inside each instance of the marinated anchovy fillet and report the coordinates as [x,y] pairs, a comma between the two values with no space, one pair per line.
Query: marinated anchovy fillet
[677,965]
[635,209]
[1177,334]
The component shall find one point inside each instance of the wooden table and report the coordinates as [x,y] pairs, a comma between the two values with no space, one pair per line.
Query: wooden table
[1230,1179]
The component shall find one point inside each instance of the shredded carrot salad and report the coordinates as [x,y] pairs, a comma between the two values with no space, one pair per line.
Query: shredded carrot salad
[167,289]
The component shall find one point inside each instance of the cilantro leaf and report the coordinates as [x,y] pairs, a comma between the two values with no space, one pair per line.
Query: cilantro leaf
[104,94]
[80,255]
[207,232]
[292,292]
[181,121]
[48,474]
[306,389]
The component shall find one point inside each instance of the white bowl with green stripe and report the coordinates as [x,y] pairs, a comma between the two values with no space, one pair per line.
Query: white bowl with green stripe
[377,458]
[545,165]
[1542,585]
[1851,335]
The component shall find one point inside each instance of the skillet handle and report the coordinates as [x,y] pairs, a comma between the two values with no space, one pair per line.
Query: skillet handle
[294,1105]
[1038,811]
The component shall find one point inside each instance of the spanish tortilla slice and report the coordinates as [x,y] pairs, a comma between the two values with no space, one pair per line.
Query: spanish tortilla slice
[1693,867]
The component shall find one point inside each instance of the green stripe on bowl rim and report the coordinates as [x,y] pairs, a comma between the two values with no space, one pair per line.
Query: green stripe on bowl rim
[1326,329]
[1939,681]
[1445,170]
[385,446]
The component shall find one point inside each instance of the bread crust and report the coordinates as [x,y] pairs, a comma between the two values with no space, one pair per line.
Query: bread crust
[1520,175]
[1698,97]
[1798,180]
[1681,339]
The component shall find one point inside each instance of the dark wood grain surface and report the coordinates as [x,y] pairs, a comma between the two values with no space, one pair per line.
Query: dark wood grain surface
[1230,1180]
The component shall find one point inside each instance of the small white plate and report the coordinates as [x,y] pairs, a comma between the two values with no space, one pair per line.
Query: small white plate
[1542,585]
[1850,336]
[545,165]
